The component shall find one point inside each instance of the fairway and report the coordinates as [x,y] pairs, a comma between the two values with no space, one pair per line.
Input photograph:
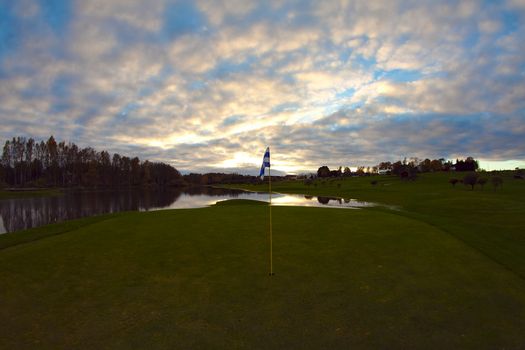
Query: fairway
[198,278]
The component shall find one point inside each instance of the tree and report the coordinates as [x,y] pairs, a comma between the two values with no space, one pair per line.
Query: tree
[385,166]
[347,171]
[26,162]
[470,179]
[436,165]
[29,149]
[469,164]
[397,168]
[496,181]
[425,166]
[482,181]
[323,171]
[105,168]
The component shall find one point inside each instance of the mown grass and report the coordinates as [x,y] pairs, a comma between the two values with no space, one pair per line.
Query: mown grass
[198,278]
[491,221]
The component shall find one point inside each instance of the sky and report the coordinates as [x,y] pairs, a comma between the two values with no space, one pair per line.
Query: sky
[207,85]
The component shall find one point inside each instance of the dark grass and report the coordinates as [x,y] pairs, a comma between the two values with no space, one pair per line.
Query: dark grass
[198,278]
[491,221]
[11,239]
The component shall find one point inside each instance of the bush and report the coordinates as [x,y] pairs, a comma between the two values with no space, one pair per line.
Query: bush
[482,181]
[408,174]
[373,183]
[471,180]
[496,181]
[453,182]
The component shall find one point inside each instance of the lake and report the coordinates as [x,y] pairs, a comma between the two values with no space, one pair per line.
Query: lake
[23,213]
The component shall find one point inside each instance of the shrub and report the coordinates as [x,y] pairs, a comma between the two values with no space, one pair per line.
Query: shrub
[471,180]
[482,181]
[408,173]
[496,181]
[373,182]
[453,182]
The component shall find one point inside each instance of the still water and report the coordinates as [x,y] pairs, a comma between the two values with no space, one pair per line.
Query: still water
[23,213]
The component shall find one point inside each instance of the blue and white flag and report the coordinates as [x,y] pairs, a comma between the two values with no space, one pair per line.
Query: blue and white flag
[266,162]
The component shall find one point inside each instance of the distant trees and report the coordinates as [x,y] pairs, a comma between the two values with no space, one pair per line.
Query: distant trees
[482,181]
[384,166]
[222,178]
[336,173]
[469,164]
[25,162]
[427,165]
[323,171]
[407,170]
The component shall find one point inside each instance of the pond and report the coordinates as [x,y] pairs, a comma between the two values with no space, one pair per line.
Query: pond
[23,213]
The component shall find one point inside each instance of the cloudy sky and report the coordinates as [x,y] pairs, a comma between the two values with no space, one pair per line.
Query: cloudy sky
[209,84]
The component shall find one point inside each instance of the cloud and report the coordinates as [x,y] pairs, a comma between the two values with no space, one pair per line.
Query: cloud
[210,83]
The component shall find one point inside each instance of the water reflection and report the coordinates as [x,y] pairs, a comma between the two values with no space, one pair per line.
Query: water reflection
[23,213]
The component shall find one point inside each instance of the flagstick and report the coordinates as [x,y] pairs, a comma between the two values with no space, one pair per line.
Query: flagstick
[271,242]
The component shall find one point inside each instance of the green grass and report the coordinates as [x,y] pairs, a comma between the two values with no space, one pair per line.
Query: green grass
[492,222]
[445,271]
[198,278]
[15,238]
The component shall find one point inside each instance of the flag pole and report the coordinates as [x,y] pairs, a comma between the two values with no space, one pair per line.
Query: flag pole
[271,238]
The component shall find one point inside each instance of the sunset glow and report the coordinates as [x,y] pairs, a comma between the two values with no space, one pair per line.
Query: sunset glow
[207,85]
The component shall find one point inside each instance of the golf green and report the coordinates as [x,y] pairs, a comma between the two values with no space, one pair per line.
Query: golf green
[198,278]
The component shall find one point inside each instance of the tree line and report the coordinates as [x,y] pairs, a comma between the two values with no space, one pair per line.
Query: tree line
[404,168]
[28,163]
[219,178]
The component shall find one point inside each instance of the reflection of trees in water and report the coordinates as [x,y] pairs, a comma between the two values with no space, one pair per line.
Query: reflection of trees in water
[326,200]
[23,213]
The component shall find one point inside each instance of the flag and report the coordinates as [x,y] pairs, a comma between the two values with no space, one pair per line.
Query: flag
[266,162]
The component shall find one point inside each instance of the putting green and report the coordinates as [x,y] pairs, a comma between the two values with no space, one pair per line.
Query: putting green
[198,278]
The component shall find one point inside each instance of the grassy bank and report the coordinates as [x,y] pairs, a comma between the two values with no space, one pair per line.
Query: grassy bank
[198,278]
[490,221]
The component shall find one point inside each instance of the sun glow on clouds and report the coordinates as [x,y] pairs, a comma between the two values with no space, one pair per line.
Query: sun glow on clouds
[211,83]
[239,160]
